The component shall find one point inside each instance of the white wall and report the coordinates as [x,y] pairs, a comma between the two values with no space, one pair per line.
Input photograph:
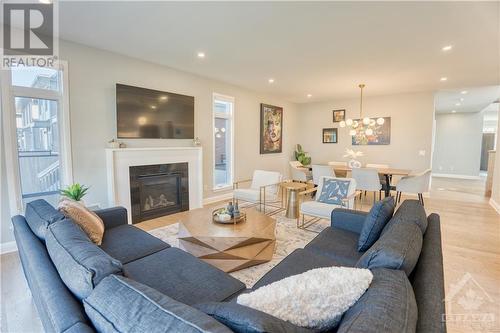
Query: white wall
[411,130]
[458,144]
[92,77]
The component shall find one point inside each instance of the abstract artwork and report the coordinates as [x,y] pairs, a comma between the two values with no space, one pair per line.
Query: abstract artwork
[271,129]
[381,133]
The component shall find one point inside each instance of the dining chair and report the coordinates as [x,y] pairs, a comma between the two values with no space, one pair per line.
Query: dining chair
[263,189]
[383,180]
[299,172]
[367,180]
[339,163]
[318,171]
[415,184]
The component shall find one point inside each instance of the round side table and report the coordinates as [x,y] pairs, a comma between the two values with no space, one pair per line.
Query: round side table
[292,207]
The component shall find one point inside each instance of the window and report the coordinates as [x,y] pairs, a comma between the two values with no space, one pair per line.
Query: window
[37,128]
[223,109]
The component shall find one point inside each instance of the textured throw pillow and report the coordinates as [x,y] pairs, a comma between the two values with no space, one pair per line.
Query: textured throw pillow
[333,191]
[90,223]
[316,299]
[375,221]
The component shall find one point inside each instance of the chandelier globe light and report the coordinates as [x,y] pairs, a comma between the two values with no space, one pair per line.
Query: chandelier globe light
[367,122]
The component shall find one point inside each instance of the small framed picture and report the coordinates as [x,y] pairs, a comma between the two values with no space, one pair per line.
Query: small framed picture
[329,135]
[338,116]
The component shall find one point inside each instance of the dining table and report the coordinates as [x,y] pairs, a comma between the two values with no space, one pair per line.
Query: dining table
[386,172]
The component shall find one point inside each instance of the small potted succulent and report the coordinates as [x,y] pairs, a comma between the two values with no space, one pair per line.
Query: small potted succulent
[75,192]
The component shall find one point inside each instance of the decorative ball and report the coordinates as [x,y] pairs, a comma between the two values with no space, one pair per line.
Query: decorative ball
[380,121]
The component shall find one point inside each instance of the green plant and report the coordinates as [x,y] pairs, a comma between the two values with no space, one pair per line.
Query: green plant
[301,155]
[75,191]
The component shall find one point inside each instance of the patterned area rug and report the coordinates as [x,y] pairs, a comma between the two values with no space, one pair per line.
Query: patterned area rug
[288,238]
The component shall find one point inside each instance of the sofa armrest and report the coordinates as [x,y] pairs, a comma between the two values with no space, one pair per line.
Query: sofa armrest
[348,219]
[113,217]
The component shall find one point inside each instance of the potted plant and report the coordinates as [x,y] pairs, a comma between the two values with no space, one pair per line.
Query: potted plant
[75,192]
[301,155]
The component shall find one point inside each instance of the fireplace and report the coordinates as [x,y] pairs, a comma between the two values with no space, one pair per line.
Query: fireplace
[158,190]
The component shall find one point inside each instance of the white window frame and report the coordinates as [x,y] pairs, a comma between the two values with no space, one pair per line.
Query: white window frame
[9,129]
[230,117]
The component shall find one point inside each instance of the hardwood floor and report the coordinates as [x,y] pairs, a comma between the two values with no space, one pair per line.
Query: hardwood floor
[471,251]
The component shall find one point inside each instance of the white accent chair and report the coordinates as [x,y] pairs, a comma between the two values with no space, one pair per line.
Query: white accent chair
[319,171]
[367,180]
[339,163]
[416,184]
[299,172]
[263,189]
[321,210]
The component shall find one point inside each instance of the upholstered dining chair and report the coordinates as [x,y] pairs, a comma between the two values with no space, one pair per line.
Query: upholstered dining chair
[416,184]
[331,193]
[320,171]
[263,190]
[383,181]
[339,163]
[299,172]
[367,180]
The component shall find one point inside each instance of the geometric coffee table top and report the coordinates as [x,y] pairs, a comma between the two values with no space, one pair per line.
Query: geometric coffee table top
[229,247]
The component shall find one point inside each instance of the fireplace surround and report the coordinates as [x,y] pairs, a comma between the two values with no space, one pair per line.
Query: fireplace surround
[158,190]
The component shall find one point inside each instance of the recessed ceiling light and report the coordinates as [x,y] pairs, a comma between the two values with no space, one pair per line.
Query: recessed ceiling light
[153,107]
[47,2]
[457,104]
[463,92]
[309,95]
[201,55]
[461,99]
[447,48]
[270,80]
[163,98]
[453,111]
[444,78]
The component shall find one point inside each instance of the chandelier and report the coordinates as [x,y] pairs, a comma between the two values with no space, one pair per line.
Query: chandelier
[354,125]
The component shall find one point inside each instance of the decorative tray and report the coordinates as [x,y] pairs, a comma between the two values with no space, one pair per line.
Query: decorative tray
[221,216]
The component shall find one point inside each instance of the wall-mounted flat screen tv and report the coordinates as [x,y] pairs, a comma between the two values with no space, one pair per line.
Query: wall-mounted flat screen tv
[151,114]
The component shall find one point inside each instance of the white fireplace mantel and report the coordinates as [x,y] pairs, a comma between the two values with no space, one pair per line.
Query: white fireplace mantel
[119,160]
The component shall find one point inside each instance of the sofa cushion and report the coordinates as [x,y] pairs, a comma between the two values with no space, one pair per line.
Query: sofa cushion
[410,211]
[398,248]
[39,215]
[86,219]
[333,191]
[127,243]
[297,262]
[375,221]
[118,304]
[338,244]
[387,306]
[81,264]
[315,299]
[183,277]
[242,319]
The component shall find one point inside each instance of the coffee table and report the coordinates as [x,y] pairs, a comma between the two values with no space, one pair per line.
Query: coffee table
[229,247]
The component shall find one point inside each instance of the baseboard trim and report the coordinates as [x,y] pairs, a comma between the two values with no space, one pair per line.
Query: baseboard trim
[8,247]
[216,198]
[495,205]
[450,175]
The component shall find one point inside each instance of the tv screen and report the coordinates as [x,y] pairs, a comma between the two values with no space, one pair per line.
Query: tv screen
[150,114]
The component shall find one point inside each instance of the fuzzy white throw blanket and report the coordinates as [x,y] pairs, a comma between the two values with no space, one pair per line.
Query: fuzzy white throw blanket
[315,299]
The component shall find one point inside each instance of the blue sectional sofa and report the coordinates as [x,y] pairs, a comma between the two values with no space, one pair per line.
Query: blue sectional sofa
[135,282]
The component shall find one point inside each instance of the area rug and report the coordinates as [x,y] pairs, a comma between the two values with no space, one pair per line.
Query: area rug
[288,238]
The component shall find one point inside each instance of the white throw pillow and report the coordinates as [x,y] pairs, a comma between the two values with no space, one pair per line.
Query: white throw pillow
[315,299]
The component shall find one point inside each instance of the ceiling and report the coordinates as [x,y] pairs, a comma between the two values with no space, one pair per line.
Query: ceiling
[320,48]
[467,99]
